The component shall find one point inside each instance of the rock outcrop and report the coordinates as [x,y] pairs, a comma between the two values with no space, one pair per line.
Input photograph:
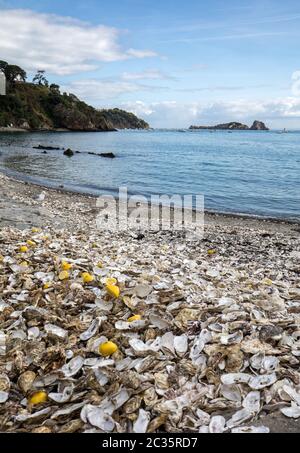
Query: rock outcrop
[257,126]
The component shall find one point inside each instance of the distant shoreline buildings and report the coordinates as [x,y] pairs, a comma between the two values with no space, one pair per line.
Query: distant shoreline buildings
[2,84]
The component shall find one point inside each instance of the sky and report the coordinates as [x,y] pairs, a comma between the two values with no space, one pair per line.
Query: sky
[171,62]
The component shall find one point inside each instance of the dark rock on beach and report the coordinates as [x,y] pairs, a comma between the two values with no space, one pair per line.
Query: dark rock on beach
[69,153]
[108,155]
[48,148]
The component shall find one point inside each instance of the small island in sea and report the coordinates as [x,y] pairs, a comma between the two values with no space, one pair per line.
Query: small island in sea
[256,126]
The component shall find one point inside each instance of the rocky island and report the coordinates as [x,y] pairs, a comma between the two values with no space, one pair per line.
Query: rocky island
[256,126]
[40,106]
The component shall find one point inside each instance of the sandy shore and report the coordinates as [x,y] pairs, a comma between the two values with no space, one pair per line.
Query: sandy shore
[215,347]
[19,208]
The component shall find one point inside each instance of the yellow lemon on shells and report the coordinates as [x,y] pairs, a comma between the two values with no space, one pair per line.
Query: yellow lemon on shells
[108,348]
[87,278]
[66,266]
[31,243]
[23,249]
[211,252]
[113,291]
[38,398]
[135,318]
[64,275]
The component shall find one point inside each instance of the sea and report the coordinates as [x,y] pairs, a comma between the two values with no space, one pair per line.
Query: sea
[254,173]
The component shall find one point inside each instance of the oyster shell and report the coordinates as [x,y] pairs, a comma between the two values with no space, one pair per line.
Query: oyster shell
[142,422]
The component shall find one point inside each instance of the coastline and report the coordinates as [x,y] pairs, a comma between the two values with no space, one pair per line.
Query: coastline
[211,217]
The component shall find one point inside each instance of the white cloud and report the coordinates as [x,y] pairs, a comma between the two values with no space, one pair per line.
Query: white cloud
[60,45]
[141,53]
[176,114]
[149,74]
[97,91]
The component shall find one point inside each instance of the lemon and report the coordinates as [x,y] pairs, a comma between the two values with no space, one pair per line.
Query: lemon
[31,243]
[24,264]
[23,249]
[66,266]
[64,275]
[108,348]
[135,318]
[211,252]
[113,291]
[38,398]
[87,278]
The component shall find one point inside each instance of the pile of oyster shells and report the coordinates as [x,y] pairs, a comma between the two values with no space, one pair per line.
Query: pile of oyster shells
[215,345]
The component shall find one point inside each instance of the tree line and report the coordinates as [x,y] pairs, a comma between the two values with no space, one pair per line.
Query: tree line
[14,73]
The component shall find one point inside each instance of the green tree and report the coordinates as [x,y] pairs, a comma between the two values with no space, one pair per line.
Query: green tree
[14,73]
[55,89]
[40,78]
[3,65]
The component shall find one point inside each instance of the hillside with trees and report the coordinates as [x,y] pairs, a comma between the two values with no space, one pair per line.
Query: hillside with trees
[39,105]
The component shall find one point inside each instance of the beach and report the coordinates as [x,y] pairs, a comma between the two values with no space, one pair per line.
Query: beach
[214,346]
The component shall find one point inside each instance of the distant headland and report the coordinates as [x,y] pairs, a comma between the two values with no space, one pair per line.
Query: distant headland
[256,126]
[40,106]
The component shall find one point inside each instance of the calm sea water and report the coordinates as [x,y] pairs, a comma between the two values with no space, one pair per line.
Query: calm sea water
[249,172]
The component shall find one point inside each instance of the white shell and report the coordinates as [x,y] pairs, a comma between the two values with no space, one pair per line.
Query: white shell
[231,392]
[73,367]
[135,325]
[142,422]
[25,417]
[181,345]
[56,332]
[167,343]
[217,425]
[239,417]
[66,410]
[203,417]
[3,397]
[260,382]
[63,397]
[292,393]
[252,402]
[2,343]
[235,378]
[91,331]
[97,417]
[291,412]
[158,322]
[142,291]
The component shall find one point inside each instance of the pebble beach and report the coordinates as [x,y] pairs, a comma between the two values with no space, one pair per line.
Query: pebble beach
[117,332]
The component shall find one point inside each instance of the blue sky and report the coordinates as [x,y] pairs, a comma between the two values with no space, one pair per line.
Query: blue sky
[174,63]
